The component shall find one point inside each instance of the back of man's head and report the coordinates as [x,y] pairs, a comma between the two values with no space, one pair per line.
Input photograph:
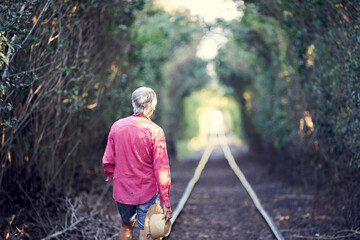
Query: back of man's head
[143,100]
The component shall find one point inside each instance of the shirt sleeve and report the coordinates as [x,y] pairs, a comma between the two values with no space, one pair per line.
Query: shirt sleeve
[109,157]
[161,167]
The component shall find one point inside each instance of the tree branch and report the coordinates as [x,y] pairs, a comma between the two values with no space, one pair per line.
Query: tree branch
[32,29]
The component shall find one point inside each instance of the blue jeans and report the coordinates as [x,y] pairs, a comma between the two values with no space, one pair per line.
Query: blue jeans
[129,213]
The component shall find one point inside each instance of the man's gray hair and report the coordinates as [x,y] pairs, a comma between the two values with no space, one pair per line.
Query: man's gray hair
[143,100]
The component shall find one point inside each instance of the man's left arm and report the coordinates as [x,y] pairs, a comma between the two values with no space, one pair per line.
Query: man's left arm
[161,168]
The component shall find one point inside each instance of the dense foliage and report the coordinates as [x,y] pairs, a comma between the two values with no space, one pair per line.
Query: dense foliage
[295,67]
[184,74]
[56,59]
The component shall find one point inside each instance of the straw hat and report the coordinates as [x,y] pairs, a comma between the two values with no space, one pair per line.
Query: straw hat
[155,227]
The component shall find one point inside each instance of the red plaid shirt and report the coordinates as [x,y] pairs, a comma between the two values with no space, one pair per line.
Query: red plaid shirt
[136,158]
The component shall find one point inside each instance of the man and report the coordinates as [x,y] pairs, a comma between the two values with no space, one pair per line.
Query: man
[136,159]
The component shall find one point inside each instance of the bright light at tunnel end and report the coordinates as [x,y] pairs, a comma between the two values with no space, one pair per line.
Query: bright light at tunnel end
[216,119]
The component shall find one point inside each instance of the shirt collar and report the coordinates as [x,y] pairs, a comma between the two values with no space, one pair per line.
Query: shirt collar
[141,115]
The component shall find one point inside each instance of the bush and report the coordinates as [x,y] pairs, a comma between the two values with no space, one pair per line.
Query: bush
[58,64]
[299,65]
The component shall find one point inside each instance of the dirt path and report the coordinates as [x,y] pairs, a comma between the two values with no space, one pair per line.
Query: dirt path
[219,207]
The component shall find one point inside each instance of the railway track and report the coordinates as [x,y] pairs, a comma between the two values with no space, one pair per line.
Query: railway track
[184,202]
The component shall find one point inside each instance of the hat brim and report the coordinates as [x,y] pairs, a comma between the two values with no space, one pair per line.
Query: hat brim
[153,209]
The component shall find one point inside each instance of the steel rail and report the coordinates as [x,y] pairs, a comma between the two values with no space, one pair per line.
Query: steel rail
[192,182]
[249,189]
